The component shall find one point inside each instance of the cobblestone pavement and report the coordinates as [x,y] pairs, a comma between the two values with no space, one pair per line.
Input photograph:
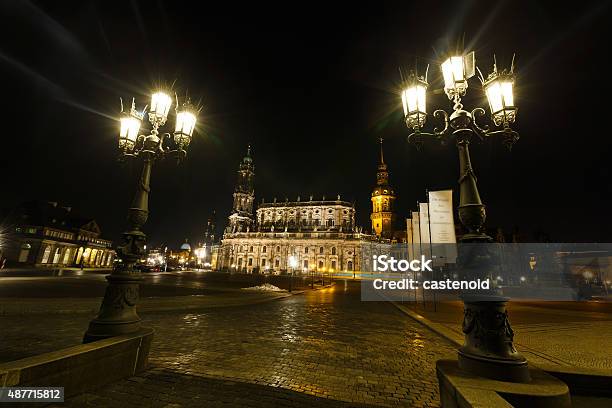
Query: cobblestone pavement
[548,334]
[322,348]
[572,344]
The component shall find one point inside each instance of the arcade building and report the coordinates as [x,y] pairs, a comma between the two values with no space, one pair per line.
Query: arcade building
[46,234]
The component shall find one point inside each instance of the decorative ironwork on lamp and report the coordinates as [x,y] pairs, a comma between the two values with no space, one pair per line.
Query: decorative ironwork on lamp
[498,87]
[491,354]
[117,313]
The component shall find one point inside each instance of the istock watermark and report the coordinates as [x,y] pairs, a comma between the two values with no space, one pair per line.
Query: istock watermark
[384,263]
[430,273]
[395,276]
[411,284]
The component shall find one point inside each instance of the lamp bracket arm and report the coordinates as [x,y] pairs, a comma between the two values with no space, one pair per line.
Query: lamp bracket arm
[178,154]
[439,135]
[161,143]
[481,131]
[510,137]
[440,113]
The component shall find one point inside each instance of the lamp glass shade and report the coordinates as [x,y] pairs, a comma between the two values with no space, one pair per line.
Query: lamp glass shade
[130,126]
[453,71]
[413,99]
[507,93]
[494,95]
[160,105]
[500,94]
[185,122]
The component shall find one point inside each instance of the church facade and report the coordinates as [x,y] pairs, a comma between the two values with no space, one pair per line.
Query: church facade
[298,236]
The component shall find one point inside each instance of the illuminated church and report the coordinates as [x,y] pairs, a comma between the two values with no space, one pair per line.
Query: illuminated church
[316,235]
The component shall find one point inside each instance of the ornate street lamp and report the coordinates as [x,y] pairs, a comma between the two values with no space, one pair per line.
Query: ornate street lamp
[117,313]
[488,350]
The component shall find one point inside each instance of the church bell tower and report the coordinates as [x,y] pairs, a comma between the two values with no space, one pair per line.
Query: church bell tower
[383,197]
[241,218]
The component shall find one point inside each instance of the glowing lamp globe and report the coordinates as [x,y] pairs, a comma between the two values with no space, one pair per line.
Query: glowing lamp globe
[185,124]
[413,101]
[130,126]
[160,107]
[293,261]
[456,70]
[499,88]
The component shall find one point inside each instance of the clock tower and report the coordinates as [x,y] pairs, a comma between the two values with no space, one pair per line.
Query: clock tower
[383,197]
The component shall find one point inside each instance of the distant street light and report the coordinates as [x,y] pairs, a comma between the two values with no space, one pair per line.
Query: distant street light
[200,255]
[494,355]
[117,314]
[293,263]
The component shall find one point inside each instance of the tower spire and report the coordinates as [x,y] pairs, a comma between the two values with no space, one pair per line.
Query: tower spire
[241,217]
[383,197]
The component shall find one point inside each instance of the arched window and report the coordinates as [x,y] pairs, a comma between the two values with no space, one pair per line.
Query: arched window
[46,254]
[320,264]
[277,248]
[321,250]
[251,250]
[79,256]
[305,250]
[66,256]
[333,250]
[349,265]
[93,256]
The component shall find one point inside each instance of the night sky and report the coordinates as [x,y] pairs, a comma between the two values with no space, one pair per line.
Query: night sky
[311,87]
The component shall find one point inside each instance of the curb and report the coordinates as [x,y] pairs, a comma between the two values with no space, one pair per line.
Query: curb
[437,328]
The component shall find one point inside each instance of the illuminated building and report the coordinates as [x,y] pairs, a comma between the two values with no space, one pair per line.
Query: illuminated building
[47,234]
[321,235]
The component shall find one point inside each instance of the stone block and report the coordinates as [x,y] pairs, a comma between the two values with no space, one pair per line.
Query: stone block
[459,389]
[83,367]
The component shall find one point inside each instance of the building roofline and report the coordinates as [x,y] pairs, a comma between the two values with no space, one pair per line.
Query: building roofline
[304,204]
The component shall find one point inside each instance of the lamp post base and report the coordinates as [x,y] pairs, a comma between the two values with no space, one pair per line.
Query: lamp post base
[100,330]
[117,314]
[496,369]
[488,350]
